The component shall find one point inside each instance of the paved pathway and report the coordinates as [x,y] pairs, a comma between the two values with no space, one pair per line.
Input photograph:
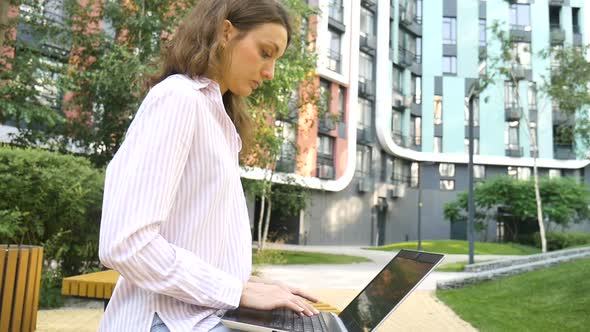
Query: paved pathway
[334,284]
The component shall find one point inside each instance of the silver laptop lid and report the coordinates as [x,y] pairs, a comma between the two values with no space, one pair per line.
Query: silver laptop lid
[397,279]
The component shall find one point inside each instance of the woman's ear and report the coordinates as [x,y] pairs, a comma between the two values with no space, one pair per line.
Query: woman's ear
[228,31]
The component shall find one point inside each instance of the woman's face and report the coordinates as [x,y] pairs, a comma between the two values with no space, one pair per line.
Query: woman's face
[252,58]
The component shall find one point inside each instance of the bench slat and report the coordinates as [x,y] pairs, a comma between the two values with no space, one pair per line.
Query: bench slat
[36,257]
[8,289]
[19,292]
[37,286]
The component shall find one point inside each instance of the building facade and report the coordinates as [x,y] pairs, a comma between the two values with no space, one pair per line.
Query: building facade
[398,75]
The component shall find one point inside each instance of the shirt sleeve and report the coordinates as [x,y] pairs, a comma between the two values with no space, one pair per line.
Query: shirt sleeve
[139,192]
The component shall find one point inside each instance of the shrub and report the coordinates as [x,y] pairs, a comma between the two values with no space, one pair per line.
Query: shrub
[52,200]
[562,240]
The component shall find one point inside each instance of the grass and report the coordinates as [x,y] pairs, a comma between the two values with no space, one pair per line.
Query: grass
[552,299]
[462,247]
[455,267]
[286,257]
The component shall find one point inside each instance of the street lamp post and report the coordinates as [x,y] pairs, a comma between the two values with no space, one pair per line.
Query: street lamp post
[471,204]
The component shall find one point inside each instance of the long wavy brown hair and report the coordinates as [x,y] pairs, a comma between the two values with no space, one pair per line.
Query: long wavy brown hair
[195,47]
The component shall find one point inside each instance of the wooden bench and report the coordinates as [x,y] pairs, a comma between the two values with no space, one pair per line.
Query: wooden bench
[20,280]
[100,285]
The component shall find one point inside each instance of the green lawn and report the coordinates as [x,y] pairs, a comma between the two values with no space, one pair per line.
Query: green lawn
[455,267]
[284,257]
[462,247]
[552,299]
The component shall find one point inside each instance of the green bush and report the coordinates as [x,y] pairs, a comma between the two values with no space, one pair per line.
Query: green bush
[562,240]
[52,200]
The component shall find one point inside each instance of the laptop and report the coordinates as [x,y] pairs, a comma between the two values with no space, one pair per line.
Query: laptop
[365,313]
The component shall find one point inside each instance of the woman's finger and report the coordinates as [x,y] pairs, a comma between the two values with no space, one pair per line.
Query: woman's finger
[304,294]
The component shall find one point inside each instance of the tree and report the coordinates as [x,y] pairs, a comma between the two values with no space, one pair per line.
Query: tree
[508,66]
[565,201]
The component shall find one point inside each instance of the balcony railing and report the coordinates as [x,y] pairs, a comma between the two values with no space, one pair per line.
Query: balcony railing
[556,2]
[367,43]
[334,61]
[406,58]
[514,150]
[326,123]
[364,135]
[557,34]
[563,151]
[367,88]
[285,164]
[512,112]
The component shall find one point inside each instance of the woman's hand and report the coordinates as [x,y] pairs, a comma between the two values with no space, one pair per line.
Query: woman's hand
[267,294]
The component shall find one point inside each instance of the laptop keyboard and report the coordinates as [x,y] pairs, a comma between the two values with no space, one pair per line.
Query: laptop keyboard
[286,319]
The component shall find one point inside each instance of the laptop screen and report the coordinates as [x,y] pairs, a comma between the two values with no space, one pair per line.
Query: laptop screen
[387,289]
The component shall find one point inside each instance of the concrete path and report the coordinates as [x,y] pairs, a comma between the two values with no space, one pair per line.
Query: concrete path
[333,284]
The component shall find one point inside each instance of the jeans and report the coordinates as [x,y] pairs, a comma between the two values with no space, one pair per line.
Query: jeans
[159,326]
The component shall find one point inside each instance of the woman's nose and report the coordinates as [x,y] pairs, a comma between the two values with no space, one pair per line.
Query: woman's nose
[268,72]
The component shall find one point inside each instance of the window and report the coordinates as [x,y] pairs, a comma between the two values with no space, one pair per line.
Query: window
[386,167]
[341,104]
[416,130]
[334,51]
[534,142]
[364,119]
[437,144]
[398,171]
[396,126]
[449,65]
[336,10]
[475,112]
[417,88]
[418,49]
[418,11]
[482,67]
[438,110]
[365,67]
[520,16]
[449,30]
[446,170]
[511,135]
[475,146]
[524,173]
[397,80]
[325,157]
[367,22]
[479,172]
[576,20]
[512,172]
[554,173]
[363,161]
[482,32]
[286,158]
[325,97]
[510,95]
[521,53]
[447,184]
[532,96]
[414,175]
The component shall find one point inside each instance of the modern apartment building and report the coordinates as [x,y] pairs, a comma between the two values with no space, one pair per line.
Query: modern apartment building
[399,72]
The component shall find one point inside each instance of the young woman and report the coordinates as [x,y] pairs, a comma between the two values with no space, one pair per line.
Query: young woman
[175,223]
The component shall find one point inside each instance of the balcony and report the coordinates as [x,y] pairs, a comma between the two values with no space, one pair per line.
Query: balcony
[520,33]
[366,89]
[563,152]
[513,150]
[512,112]
[364,135]
[336,13]
[518,71]
[326,124]
[557,34]
[406,17]
[556,2]
[334,61]
[325,171]
[406,58]
[561,118]
[285,164]
[367,44]
[533,113]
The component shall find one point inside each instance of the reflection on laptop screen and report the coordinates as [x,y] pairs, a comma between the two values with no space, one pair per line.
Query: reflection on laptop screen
[387,289]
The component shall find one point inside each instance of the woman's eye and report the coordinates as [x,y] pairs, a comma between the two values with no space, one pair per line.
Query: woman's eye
[265,54]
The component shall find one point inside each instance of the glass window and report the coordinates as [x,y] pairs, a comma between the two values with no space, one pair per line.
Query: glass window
[482,32]
[520,17]
[447,184]
[511,135]
[437,144]
[475,112]
[534,142]
[417,89]
[364,119]
[479,172]
[398,171]
[521,53]
[419,50]
[416,130]
[554,173]
[365,67]
[524,173]
[334,51]
[512,172]
[438,110]
[367,22]
[446,170]
[341,103]
[510,94]
[325,157]
[449,30]
[449,64]
[324,102]
[325,145]
[414,175]
[396,124]
[475,146]
[336,10]
[363,160]
[532,95]
[397,80]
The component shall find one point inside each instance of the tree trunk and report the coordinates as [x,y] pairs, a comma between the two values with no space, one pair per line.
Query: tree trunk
[267,222]
[261,218]
[539,207]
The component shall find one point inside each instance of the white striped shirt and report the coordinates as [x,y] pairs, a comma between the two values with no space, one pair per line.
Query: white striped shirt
[174,220]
